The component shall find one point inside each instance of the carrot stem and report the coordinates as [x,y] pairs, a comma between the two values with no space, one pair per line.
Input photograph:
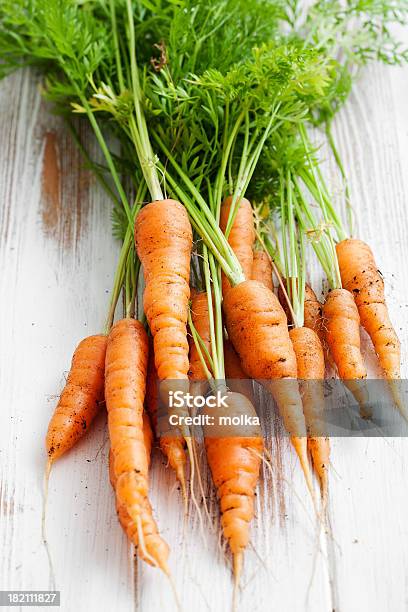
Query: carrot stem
[347,196]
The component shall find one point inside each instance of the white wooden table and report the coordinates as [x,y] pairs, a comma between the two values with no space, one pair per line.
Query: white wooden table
[57,259]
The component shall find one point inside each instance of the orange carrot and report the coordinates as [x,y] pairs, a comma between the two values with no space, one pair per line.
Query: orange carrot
[164,240]
[257,327]
[262,269]
[125,385]
[241,237]
[81,398]
[284,302]
[360,276]
[342,332]
[234,460]
[313,313]
[310,368]
[152,387]
[199,315]
[150,531]
[171,445]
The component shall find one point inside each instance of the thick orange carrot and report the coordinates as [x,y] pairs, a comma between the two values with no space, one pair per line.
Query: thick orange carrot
[241,236]
[360,276]
[151,536]
[125,385]
[262,269]
[80,400]
[257,327]
[164,240]
[310,368]
[342,333]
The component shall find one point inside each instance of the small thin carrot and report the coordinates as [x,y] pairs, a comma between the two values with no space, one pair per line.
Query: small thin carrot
[199,314]
[125,385]
[360,275]
[310,368]
[342,333]
[234,460]
[171,445]
[80,399]
[233,454]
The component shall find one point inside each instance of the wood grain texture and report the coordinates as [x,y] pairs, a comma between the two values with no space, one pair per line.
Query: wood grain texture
[55,279]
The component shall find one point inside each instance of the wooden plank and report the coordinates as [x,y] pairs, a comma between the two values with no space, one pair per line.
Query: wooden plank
[368,554]
[57,258]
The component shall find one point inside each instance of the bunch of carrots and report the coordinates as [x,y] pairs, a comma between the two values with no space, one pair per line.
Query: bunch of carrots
[212,106]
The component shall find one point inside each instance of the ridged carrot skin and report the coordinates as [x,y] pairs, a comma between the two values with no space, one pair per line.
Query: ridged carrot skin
[152,387]
[257,327]
[241,237]
[262,269]
[313,313]
[200,317]
[234,461]
[125,386]
[172,445]
[150,531]
[360,276]
[81,397]
[342,333]
[310,368]
[164,239]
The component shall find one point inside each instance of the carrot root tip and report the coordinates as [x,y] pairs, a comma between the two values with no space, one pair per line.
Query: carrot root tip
[237,564]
